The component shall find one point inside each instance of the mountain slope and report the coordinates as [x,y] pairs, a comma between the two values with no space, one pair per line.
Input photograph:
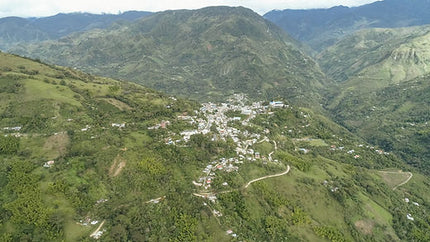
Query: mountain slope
[395,117]
[205,54]
[377,57]
[14,30]
[382,91]
[321,28]
[80,152]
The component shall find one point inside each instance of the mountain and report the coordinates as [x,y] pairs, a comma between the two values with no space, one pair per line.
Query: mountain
[383,86]
[373,58]
[394,117]
[205,54]
[87,157]
[15,30]
[320,28]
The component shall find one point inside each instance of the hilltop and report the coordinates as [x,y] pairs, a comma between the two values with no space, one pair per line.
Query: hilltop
[320,28]
[92,156]
[204,54]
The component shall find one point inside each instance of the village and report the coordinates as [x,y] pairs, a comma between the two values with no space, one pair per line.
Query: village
[223,121]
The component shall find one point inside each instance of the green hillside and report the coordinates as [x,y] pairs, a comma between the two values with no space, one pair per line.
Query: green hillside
[382,90]
[204,54]
[321,28]
[395,117]
[374,58]
[86,156]
[16,30]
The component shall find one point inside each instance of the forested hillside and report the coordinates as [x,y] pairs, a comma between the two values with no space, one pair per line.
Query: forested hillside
[374,58]
[16,30]
[382,90]
[321,28]
[205,54]
[85,157]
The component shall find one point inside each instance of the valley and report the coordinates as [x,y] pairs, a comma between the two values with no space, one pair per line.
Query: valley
[216,125]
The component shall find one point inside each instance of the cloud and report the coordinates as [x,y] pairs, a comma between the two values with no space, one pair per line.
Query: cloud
[27,8]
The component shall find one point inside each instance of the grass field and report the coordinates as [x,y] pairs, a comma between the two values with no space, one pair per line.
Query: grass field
[393,178]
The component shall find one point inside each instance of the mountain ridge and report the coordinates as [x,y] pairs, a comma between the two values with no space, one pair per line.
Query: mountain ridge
[15,30]
[203,53]
[321,28]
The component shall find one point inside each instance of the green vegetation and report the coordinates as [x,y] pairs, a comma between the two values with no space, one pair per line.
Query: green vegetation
[321,28]
[79,151]
[205,54]
[374,58]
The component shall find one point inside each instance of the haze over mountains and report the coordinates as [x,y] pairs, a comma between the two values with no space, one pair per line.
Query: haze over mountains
[15,30]
[343,155]
[320,28]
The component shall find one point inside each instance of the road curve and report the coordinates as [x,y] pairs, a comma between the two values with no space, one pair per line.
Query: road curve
[407,180]
[398,172]
[268,176]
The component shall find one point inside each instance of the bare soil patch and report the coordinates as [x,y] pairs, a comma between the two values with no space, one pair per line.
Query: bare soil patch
[365,226]
[118,164]
[117,103]
[56,145]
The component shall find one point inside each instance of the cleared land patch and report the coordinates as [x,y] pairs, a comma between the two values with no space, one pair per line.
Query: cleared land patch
[365,226]
[118,164]
[395,179]
[56,145]
[117,103]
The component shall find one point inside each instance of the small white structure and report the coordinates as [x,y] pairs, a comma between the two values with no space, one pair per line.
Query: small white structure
[49,164]
[409,216]
[277,104]
[119,125]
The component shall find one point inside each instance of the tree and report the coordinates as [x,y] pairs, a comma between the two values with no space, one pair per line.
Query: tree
[9,145]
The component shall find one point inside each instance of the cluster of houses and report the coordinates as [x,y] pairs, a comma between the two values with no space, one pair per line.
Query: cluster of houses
[163,124]
[409,216]
[223,164]
[330,186]
[352,151]
[16,128]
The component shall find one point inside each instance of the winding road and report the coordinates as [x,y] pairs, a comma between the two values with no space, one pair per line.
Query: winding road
[268,176]
[407,180]
[399,172]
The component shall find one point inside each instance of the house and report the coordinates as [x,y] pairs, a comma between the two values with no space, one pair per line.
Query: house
[257,155]
[17,128]
[409,216]
[305,151]
[119,125]
[217,213]
[164,123]
[276,104]
[48,164]
[86,128]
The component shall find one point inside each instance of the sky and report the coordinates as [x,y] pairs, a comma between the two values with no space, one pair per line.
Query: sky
[40,8]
